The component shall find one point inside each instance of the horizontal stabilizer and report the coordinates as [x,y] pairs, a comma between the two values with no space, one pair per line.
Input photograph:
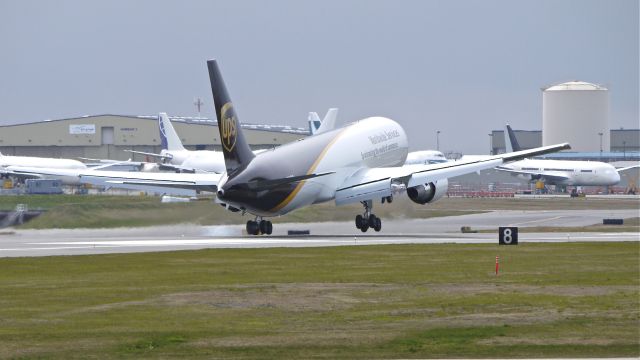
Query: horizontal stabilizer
[259,185]
[164,184]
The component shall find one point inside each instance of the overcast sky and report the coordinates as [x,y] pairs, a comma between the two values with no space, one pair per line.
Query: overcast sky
[461,67]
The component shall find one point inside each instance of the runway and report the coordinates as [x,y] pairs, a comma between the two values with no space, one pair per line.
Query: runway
[410,231]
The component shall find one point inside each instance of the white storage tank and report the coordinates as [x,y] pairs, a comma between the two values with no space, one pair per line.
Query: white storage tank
[576,112]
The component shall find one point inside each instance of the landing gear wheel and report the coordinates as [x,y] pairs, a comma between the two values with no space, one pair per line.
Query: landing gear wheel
[369,220]
[378,224]
[266,227]
[364,223]
[253,228]
[372,220]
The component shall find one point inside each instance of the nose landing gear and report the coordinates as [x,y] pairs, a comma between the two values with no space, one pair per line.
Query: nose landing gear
[368,219]
[259,226]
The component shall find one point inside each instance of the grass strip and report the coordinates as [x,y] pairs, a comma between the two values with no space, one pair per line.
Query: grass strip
[395,301]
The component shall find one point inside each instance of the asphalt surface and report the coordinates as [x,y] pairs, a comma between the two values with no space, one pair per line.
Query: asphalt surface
[16,243]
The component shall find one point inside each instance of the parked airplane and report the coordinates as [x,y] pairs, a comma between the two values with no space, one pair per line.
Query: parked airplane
[176,157]
[361,162]
[7,161]
[560,172]
[32,161]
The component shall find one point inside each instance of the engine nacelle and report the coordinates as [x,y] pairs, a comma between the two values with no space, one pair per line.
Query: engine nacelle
[427,193]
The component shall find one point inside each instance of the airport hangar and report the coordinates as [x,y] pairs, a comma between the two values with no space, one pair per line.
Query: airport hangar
[107,136]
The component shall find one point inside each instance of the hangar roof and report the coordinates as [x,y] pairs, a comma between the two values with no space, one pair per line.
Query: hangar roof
[188,120]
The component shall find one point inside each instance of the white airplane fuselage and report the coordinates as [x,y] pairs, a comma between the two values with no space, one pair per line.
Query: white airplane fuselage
[205,160]
[577,173]
[35,163]
[370,143]
[425,157]
[31,161]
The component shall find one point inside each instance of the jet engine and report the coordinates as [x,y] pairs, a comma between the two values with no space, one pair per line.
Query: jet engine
[427,193]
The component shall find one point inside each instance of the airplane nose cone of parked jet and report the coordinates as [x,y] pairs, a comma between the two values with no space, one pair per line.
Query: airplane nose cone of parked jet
[616,177]
[612,175]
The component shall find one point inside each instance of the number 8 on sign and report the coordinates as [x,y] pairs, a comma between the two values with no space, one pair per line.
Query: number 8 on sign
[508,235]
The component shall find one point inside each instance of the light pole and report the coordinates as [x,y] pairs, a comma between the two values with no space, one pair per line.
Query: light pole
[624,150]
[600,144]
[438,140]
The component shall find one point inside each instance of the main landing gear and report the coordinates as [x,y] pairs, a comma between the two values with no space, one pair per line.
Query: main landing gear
[368,220]
[259,226]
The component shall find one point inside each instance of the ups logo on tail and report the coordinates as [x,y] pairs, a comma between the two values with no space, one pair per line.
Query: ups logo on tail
[228,126]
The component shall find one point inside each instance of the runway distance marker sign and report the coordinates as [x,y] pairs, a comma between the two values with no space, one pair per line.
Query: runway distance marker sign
[508,235]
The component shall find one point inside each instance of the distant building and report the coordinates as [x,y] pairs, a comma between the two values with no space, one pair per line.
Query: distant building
[576,112]
[106,136]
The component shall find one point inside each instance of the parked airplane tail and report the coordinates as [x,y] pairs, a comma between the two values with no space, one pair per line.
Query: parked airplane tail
[328,123]
[236,150]
[169,139]
[314,122]
[510,141]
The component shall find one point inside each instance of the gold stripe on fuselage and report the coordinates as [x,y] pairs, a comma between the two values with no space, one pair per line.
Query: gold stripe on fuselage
[313,167]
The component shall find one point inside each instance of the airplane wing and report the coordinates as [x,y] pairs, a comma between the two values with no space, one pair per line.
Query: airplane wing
[545,175]
[182,169]
[150,154]
[8,171]
[130,179]
[627,168]
[198,182]
[372,183]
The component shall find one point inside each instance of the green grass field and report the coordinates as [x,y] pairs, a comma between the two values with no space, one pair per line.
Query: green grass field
[75,211]
[409,301]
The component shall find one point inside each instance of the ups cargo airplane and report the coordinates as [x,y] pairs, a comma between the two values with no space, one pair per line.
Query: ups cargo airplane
[361,162]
